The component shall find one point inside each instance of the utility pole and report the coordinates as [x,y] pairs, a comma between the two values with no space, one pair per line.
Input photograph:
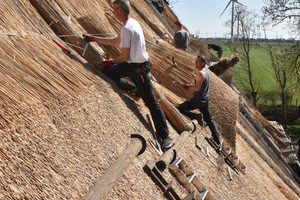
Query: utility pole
[238,27]
[258,29]
[232,21]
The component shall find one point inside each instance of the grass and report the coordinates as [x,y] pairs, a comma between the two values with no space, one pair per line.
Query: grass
[262,68]
[260,60]
[295,130]
[263,72]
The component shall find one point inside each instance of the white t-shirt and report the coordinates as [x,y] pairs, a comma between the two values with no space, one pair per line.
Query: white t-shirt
[132,37]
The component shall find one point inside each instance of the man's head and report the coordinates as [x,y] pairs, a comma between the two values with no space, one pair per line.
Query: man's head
[120,6]
[178,25]
[200,62]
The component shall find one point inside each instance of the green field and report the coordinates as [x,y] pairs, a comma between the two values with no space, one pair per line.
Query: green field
[263,71]
[262,68]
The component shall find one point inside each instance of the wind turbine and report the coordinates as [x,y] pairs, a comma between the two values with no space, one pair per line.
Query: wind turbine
[233,1]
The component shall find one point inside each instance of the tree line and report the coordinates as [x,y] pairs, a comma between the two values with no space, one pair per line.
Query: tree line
[284,61]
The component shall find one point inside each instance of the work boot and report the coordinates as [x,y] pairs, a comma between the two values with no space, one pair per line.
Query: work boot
[217,140]
[135,92]
[200,120]
[166,144]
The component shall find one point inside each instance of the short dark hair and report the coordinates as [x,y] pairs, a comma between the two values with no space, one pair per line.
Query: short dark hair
[124,4]
[178,23]
[202,58]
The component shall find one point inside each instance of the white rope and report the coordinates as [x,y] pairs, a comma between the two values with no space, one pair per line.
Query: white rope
[162,98]
[51,36]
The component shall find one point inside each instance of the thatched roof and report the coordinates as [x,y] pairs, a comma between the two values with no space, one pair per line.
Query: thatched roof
[63,123]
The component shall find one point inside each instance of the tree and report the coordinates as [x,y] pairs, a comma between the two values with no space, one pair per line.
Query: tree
[285,62]
[278,11]
[295,62]
[282,62]
[246,29]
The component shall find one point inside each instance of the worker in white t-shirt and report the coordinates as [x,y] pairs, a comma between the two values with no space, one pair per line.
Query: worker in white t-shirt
[134,63]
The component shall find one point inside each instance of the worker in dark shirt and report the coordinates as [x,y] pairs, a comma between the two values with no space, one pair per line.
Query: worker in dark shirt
[181,37]
[200,99]
[217,48]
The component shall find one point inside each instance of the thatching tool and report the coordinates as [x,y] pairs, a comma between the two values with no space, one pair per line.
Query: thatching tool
[174,64]
[88,38]
[154,142]
[162,36]
[181,83]
[61,46]
[86,46]
[53,20]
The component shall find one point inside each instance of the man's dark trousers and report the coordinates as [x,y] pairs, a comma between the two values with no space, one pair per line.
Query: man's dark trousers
[141,81]
[204,107]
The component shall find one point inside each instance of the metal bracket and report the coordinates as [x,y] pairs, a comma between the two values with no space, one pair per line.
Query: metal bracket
[188,179]
[220,162]
[167,188]
[221,151]
[205,151]
[144,143]
[168,191]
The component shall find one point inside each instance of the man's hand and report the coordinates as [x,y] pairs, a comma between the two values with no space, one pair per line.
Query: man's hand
[107,64]
[186,86]
[89,38]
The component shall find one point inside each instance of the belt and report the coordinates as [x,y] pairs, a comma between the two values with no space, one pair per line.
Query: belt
[138,64]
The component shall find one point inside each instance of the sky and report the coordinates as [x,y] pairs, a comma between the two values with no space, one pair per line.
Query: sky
[202,17]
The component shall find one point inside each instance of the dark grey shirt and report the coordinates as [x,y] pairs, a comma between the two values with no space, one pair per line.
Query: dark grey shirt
[181,39]
[204,90]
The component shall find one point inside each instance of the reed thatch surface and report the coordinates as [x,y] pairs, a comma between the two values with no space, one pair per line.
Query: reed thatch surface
[63,123]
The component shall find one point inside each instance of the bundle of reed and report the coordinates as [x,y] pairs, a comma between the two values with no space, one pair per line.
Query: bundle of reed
[270,128]
[32,61]
[171,82]
[169,16]
[170,96]
[103,29]
[174,116]
[69,29]
[148,20]
[224,103]
[227,77]
[48,123]
[172,77]
[224,63]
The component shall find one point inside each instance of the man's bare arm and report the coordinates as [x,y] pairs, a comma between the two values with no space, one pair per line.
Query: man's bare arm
[109,41]
[123,57]
[199,80]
